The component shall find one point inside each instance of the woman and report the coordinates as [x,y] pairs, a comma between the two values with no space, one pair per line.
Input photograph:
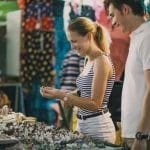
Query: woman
[94,83]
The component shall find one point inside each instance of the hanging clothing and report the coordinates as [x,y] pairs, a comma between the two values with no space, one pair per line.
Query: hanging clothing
[120,41]
[71,68]
[38,41]
[37,66]
[77,8]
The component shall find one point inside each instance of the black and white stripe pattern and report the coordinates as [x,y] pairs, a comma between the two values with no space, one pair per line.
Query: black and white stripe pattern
[70,70]
[84,84]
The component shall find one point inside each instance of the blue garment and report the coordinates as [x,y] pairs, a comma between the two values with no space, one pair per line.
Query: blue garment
[62,46]
[39,106]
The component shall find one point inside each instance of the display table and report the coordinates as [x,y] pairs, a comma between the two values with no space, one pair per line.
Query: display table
[39,136]
[14,91]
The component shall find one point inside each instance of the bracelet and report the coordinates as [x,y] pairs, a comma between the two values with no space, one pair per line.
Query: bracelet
[65,98]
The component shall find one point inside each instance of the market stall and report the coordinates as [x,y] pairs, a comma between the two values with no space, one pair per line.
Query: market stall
[20,132]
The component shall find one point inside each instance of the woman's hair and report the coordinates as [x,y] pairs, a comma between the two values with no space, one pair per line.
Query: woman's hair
[137,6]
[83,26]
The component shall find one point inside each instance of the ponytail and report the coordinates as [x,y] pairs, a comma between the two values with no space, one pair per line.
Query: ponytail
[102,38]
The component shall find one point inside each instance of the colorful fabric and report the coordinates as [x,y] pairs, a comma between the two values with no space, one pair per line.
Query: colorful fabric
[71,68]
[40,107]
[37,59]
[46,23]
[62,46]
[38,41]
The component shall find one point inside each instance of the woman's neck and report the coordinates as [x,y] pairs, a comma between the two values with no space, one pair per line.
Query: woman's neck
[94,54]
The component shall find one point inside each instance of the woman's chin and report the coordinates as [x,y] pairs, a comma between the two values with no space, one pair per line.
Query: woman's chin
[81,54]
[78,53]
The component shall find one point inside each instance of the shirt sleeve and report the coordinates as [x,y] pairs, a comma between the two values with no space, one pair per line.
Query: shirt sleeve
[145,52]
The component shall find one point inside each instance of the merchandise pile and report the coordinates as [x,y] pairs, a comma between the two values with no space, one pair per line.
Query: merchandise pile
[20,132]
[39,136]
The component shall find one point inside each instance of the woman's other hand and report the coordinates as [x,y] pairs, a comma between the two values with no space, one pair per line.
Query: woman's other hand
[49,92]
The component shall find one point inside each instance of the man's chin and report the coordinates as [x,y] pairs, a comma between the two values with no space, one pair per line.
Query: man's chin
[124,30]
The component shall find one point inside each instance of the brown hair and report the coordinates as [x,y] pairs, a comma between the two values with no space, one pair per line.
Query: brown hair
[137,6]
[83,25]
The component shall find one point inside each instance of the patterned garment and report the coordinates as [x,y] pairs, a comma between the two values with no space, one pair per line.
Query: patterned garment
[99,127]
[36,61]
[84,84]
[37,43]
[37,66]
[71,68]
[72,65]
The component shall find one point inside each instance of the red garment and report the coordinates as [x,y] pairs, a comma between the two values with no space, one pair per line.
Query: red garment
[119,46]
[46,23]
[29,24]
[55,107]
[21,4]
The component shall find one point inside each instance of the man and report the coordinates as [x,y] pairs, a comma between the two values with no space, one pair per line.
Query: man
[129,15]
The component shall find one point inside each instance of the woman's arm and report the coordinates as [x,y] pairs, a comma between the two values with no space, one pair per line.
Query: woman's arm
[102,72]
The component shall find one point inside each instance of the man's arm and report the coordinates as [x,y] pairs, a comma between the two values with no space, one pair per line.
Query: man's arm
[144,124]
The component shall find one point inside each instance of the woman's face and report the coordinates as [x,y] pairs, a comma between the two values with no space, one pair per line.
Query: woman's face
[79,43]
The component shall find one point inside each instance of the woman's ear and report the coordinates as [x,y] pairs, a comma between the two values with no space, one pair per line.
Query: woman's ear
[89,35]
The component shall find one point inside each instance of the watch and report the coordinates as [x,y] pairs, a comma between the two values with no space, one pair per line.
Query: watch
[142,136]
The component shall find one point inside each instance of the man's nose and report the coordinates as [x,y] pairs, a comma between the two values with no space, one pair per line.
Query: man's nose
[115,25]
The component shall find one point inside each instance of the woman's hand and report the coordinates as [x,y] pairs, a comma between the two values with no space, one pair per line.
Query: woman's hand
[49,92]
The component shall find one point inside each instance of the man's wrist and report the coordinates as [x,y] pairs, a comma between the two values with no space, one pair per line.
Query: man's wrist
[142,136]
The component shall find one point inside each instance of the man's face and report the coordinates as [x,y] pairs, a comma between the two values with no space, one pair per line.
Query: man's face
[118,18]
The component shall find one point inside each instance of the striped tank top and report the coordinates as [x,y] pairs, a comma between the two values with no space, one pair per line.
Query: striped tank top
[84,85]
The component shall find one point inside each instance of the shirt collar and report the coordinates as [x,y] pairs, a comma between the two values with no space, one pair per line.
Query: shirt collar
[140,28]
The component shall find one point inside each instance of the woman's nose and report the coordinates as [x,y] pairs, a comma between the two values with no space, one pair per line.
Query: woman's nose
[74,46]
